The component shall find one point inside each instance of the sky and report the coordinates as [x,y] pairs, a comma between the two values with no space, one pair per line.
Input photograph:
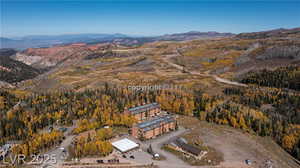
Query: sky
[144,17]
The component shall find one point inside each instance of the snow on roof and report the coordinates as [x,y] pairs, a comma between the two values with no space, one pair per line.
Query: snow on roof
[124,145]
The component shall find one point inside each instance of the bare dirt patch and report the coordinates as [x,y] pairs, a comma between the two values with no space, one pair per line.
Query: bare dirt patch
[237,146]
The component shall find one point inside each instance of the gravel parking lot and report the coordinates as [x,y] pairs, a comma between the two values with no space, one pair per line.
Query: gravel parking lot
[171,161]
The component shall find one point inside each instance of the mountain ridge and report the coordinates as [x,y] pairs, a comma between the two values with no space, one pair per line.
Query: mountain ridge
[34,41]
[12,71]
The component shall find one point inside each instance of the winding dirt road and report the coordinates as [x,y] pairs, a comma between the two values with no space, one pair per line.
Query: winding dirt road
[215,77]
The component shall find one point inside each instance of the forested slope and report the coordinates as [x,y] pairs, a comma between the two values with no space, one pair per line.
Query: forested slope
[258,110]
[12,71]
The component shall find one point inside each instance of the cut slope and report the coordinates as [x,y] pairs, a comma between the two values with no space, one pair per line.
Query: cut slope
[12,71]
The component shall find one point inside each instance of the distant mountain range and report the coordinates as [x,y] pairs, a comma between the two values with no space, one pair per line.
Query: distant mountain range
[38,41]
[64,50]
[193,35]
[270,33]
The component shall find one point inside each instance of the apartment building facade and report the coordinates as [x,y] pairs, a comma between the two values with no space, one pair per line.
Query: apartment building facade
[144,112]
[151,121]
[154,127]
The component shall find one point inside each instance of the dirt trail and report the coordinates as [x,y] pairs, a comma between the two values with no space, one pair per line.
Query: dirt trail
[226,81]
[215,77]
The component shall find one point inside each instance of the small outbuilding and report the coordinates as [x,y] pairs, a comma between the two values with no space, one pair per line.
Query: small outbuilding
[182,143]
[125,145]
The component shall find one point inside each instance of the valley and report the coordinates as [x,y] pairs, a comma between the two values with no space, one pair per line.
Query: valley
[238,94]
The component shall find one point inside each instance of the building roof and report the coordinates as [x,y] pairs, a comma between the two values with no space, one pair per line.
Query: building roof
[124,145]
[139,109]
[187,147]
[155,122]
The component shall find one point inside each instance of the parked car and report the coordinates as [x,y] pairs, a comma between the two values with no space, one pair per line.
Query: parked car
[100,161]
[62,129]
[248,162]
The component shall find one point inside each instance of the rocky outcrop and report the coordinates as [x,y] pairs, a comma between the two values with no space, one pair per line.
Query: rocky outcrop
[29,60]
[50,57]
[12,71]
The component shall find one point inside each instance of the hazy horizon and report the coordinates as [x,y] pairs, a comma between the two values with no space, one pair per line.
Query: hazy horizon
[134,35]
[144,18]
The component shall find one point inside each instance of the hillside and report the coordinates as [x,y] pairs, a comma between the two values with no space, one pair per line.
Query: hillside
[243,145]
[230,81]
[13,71]
[271,33]
[207,61]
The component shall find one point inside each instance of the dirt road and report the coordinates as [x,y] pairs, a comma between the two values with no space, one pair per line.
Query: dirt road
[59,151]
[226,81]
[215,77]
